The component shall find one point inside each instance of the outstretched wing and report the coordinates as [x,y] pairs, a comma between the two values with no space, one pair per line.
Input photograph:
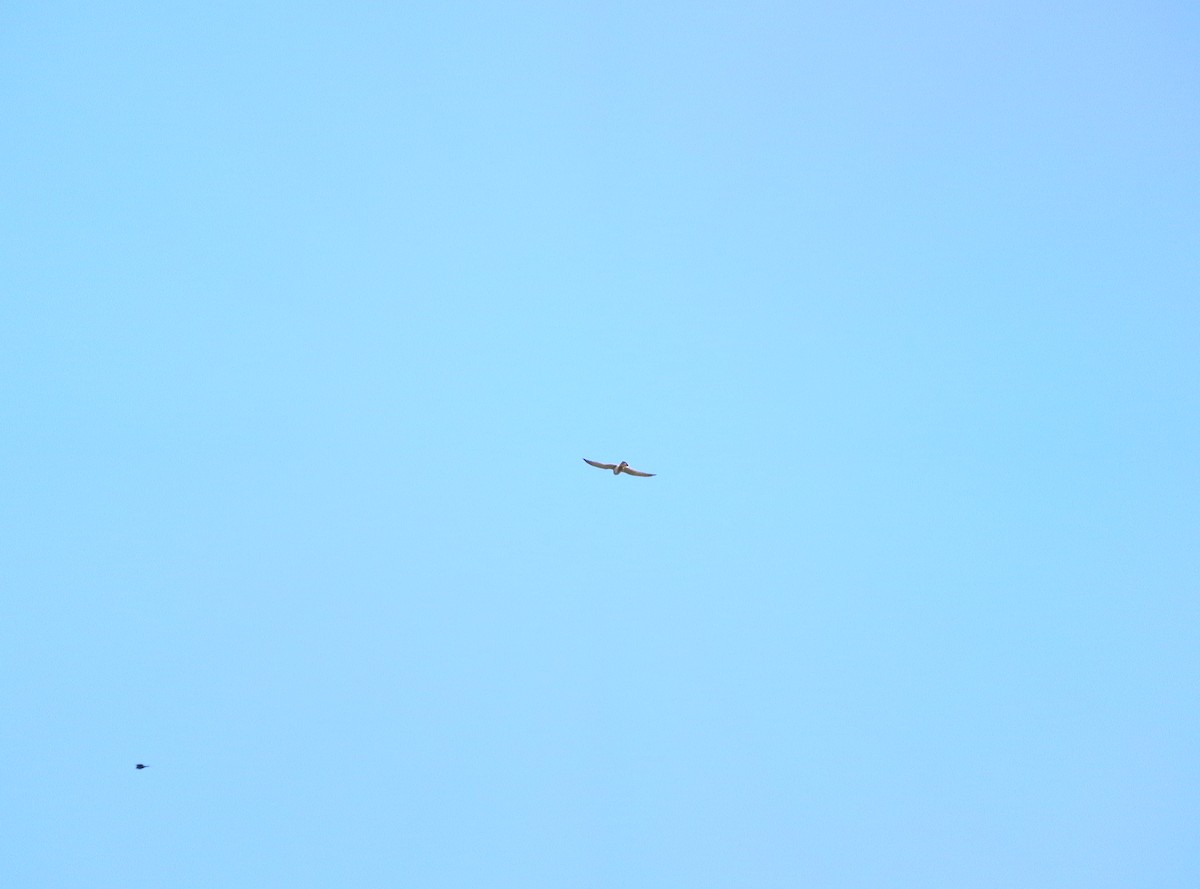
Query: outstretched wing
[635,472]
[599,465]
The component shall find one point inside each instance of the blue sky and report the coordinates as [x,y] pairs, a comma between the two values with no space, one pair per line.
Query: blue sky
[309,311]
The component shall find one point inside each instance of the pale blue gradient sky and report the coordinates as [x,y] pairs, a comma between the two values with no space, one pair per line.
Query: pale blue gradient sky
[309,311]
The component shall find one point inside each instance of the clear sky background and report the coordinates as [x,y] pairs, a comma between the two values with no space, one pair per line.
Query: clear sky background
[308,312]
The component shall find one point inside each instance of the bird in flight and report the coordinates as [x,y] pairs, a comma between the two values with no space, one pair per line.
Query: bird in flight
[141,765]
[618,468]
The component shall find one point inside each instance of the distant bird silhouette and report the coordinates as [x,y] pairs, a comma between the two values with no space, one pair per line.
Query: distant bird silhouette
[618,468]
[140,766]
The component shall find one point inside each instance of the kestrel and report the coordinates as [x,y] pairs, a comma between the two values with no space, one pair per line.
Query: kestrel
[618,468]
